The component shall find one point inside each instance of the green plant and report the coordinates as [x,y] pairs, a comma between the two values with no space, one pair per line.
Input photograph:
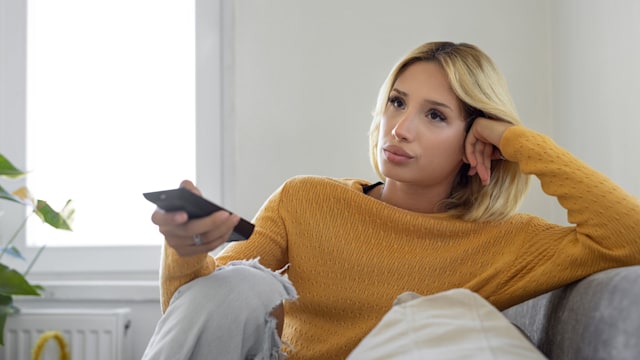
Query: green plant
[12,282]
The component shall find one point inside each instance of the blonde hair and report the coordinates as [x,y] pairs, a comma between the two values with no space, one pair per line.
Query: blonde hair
[482,90]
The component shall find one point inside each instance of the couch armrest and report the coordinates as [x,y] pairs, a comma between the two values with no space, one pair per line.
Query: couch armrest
[595,318]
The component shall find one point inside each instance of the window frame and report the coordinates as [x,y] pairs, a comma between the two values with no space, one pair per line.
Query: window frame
[213,25]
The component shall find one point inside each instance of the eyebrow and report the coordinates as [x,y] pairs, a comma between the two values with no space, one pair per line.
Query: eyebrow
[432,102]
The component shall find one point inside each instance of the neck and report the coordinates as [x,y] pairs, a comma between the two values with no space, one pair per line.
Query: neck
[412,197]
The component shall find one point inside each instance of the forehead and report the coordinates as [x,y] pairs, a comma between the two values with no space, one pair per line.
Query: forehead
[427,80]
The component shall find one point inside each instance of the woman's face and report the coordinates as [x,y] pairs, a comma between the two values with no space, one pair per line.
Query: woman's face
[422,129]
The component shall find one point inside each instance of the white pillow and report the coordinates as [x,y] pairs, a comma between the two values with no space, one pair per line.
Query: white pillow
[455,324]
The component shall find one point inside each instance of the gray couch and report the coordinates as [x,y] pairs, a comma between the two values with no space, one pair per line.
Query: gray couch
[595,318]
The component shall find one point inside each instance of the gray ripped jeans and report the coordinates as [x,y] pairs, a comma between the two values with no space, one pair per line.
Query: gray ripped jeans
[225,315]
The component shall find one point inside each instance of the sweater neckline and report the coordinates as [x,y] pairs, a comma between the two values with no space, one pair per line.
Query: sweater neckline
[367,188]
[381,205]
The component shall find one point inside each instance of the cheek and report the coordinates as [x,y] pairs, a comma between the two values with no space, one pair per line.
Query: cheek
[450,146]
[385,130]
[458,150]
[457,143]
[384,124]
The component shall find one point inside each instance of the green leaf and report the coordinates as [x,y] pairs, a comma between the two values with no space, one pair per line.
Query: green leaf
[4,194]
[59,220]
[6,308]
[8,170]
[13,283]
[6,305]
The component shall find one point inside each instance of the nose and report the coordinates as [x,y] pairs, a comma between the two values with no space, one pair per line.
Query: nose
[404,128]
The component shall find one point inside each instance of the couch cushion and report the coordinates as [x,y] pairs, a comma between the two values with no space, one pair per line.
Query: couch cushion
[596,318]
[455,324]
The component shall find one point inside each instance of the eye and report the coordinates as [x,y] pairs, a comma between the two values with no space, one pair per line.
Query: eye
[397,102]
[435,115]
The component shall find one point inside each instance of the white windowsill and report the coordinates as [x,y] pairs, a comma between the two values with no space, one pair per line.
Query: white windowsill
[82,290]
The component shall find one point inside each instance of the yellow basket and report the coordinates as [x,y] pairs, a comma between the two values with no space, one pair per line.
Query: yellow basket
[59,338]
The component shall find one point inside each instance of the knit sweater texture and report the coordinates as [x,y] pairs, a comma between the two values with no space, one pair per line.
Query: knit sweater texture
[349,255]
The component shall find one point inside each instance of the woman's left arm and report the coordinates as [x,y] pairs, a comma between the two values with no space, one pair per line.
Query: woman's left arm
[606,218]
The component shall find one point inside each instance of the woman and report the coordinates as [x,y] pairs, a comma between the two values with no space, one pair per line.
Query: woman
[454,163]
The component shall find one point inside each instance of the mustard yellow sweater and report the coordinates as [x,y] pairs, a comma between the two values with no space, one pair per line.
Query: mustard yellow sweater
[350,255]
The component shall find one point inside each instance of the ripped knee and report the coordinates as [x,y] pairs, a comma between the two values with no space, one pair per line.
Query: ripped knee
[277,313]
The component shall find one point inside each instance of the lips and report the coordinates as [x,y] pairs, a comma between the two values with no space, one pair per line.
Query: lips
[396,154]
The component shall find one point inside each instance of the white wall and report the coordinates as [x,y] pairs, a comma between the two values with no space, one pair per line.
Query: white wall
[596,84]
[307,75]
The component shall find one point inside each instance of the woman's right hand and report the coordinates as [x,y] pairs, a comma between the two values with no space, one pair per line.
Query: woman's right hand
[179,231]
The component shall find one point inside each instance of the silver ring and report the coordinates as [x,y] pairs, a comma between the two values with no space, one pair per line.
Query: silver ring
[197,240]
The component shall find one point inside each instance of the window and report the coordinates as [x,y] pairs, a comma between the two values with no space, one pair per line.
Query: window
[111,110]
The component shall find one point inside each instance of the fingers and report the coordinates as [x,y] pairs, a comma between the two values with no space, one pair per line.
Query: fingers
[484,171]
[480,147]
[478,155]
[187,184]
[162,218]
[213,231]
[179,231]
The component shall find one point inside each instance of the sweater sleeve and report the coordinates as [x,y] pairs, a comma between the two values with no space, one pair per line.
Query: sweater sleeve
[606,230]
[268,242]
[177,270]
[269,239]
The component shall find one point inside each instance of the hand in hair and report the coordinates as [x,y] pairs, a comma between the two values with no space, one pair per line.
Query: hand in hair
[481,146]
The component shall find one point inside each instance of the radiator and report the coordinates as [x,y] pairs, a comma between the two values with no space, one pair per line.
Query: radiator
[92,334]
